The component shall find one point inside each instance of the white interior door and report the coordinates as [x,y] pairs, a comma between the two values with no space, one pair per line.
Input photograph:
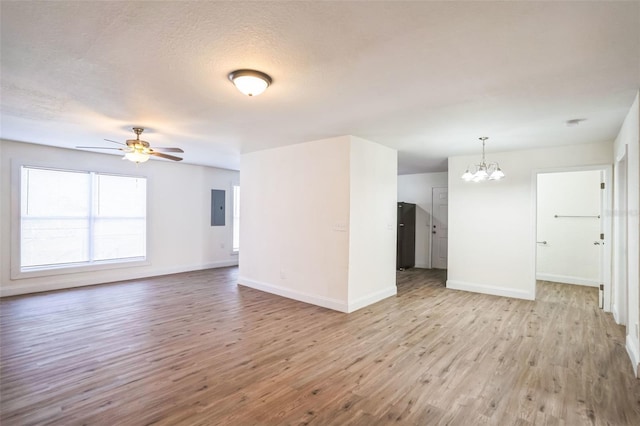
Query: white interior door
[439,227]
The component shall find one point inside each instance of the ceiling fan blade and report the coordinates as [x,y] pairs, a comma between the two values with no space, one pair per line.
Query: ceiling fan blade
[168,149]
[168,157]
[119,143]
[98,147]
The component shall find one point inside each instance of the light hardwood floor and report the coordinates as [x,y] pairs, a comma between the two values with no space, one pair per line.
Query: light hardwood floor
[195,349]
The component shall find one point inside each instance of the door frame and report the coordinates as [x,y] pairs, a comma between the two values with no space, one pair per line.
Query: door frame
[607,206]
[621,222]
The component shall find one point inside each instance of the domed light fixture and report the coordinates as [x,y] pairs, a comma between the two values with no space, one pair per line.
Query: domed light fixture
[250,82]
[136,156]
[483,171]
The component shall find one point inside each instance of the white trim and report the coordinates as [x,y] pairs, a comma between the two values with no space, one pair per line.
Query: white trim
[620,239]
[18,289]
[607,228]
[233,220]
[372,298]
[325,302]
[219,264]
[65,269]
[633,354]
[486,289]
[567,279]
[616,315]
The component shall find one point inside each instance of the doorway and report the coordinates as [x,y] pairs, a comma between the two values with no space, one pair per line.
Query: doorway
[573,228]
[439,227]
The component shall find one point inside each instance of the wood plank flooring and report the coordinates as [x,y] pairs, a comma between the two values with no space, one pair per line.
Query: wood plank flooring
[195,349]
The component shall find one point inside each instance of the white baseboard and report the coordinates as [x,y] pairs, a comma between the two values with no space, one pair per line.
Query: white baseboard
[372,298]
[423,265]
[325,302]
[485,289]
[181,269]
[632,350]
[64,281]
[567,279]
[614,312]
[221,263]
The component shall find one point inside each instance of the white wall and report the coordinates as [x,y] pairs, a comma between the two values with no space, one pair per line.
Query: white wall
[180,237]
[569,256]
[416,189]
[372,225]
[294,236]
[628,141]
[492,224]
[298,221]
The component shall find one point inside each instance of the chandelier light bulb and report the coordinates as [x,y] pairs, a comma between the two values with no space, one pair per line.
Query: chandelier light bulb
[497,174]
[468,176]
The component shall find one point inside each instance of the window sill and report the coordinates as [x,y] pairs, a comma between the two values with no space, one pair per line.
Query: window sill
[17,274]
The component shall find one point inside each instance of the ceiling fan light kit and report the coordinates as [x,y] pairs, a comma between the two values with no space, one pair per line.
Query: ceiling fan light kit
[136,156]
[137,150]
[483,171]
[250,82]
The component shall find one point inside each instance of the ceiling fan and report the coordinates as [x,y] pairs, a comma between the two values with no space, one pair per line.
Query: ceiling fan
[137,150]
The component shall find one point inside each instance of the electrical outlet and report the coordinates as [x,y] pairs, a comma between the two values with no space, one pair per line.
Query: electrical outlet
[340,227]
[221,245]
[283,274]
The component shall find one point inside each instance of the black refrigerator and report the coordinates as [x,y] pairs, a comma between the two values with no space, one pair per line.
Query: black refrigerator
[406,250]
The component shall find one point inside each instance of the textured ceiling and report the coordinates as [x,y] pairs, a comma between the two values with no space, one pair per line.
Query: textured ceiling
[426,78]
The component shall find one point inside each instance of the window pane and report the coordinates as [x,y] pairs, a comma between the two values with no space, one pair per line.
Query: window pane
[119,238]
[54,241]
[121,196]
[120,222]
[47,193]
[54,212]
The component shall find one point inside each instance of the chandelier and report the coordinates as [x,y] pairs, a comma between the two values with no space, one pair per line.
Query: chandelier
[483,171]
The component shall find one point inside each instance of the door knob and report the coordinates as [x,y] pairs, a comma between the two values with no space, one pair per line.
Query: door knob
[596,243]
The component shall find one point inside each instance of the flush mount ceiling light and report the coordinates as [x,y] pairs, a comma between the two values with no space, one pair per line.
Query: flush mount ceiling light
[483,171]
[250,82]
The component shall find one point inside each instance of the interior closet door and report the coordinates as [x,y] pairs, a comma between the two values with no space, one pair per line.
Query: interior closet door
[439,228]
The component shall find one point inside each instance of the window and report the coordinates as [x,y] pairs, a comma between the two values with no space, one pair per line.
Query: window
[236,218]
[72,218]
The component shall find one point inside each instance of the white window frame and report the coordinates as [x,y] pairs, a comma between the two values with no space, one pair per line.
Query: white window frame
[234,251]
[16,238]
